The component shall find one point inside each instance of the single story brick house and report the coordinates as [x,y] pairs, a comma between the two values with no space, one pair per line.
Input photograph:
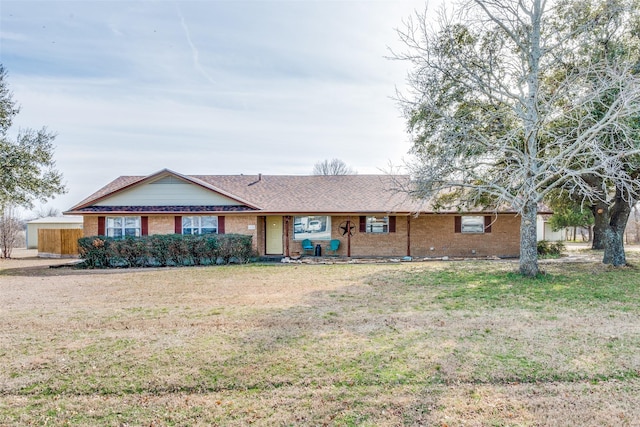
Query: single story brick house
[280,212]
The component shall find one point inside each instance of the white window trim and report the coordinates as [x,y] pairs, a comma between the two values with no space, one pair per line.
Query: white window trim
[198,228]
[475,230]
[385,224]
[109,231]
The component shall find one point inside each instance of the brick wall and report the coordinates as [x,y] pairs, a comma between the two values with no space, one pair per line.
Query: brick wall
[241,225]
[434,235]
[430,236]
[90,225]
[295,246]
[162,224]
[165,224]
[375,244]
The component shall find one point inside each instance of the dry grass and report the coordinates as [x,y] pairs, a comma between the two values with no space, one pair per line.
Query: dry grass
[456,344]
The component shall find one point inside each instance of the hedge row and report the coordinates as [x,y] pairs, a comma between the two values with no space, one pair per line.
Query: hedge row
[161,250]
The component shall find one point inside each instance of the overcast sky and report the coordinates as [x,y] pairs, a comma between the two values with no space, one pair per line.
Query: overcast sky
[206,87]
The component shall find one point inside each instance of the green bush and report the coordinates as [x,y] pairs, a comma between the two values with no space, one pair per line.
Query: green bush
[131,252]
[159,245]
[164,250]
[95,251]
[552,249]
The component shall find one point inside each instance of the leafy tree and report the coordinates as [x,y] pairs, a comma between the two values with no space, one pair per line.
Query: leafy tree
[571,217]
[485,87]
[27,168]
[612,43]
[567,212]
[332,167]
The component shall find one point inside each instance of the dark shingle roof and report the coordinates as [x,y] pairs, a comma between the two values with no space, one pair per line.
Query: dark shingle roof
[286,194]
[164,209]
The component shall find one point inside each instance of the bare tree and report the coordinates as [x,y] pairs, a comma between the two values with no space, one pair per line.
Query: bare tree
[44,211]
[635,224]
[485,87]
[332,167]
[10,228]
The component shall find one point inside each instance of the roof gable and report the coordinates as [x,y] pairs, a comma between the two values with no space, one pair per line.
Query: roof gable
[164,188]
[167,191]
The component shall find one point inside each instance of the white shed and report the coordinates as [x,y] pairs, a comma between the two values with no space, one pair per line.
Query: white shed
[55,223]
[545,232]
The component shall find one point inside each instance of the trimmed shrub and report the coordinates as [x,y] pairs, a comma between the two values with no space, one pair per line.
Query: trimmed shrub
[95,251]
[552,249]
[159,248]
[178,252]
[164,250]
[131,252]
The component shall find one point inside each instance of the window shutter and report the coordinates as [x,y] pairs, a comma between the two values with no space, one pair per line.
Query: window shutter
[144,225]
[101,230]
[458,224]
[487,224]
[392,224]
[363,224]
[220,225]
[178,224]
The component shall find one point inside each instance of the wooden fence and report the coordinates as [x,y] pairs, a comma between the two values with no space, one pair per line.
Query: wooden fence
[58,242]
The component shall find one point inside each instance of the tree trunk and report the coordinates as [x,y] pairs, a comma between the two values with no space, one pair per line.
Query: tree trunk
[532,124]
[528,241]
[636,223]
[614,248]
[9,229]
[600,212]
[614,233]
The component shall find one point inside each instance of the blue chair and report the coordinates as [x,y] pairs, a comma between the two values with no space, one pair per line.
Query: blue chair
[333,246]
[307,246]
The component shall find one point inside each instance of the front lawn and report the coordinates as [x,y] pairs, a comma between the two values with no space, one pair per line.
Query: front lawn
[433,343]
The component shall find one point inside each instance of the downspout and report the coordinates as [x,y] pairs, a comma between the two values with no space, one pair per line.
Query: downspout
[286,235]
[349,237]
[264,235]
[409,235]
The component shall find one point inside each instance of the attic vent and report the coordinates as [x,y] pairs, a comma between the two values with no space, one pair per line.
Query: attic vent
[168,180]
[255,182]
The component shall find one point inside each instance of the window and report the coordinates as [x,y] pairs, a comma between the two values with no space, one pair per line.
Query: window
[377,224]
[123,226]
[472,224]
[312,227]
[199,225]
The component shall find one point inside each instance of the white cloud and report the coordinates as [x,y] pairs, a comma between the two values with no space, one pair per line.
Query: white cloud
[9,36]
[218,87]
